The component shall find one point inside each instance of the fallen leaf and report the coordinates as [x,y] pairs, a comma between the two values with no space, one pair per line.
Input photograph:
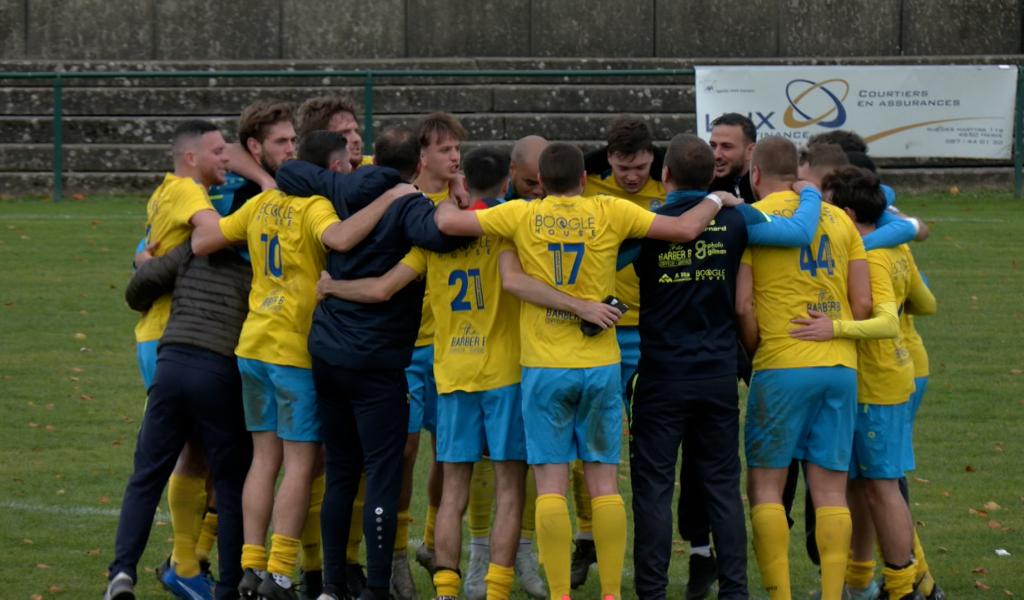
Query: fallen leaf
[993,524]
[73,378]
[50,428]
[92,552]
[104,500]
[79,197]
[942,550]
[1008,593]
[919,480]
[50,406]
[55,589]
[36,597]
[61,492]
[77,370]
[27,542]
[116,443]
[85,397]
[991,506]
[980,571]
[1016,372]
[149,569]
[981,585]
[977,513]
[42,566]
[33,425]
[969,469]
[946,494]
[80,336]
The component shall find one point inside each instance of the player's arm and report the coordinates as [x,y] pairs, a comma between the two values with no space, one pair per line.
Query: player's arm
[345,235]
[746,318]
[241,162]
[453,221]
[155,278]
[883,323]
[790,232]
[516,282]
[892,229]
[920,300]
[368,290]
[687,226]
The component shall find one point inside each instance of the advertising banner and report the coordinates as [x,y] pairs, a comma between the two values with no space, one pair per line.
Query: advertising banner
[960,111]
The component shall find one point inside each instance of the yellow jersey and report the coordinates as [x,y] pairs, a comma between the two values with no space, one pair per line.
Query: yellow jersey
[476,335]
[570,243]
[285,239]
[425,337]
[650,197]
[885,371]
[790,281]
[169,214]
[366,160]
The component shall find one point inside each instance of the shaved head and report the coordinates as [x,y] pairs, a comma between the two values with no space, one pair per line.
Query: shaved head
[524,169]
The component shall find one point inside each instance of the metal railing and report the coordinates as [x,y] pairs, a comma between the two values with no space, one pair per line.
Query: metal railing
[368,76]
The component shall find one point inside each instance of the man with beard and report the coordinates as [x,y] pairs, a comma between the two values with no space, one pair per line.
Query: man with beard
[732,139]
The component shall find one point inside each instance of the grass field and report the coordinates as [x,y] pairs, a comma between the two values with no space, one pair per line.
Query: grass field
[72,400]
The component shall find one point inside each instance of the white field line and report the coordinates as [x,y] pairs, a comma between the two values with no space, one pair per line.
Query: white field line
[68,510]
[49,218]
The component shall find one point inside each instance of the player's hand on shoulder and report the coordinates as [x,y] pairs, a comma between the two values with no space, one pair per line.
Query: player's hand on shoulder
[816,328]
[598,313]
[729,199]
[802,184]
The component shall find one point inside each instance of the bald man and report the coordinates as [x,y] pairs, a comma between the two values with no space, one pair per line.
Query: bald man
[523,169]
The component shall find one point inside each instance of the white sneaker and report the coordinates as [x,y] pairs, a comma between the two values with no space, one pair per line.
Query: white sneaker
[528,571]
[120,587]
[402,586]
[474,585]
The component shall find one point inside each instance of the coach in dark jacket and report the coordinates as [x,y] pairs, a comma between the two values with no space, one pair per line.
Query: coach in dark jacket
[360,352]
[196,391]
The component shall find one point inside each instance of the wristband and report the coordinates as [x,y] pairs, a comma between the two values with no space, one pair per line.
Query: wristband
[714,198]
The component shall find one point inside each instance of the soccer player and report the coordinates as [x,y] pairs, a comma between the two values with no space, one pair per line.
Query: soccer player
[571,381]
[630,155]
[476,341]
[180,203]
[286,237]
[359,354]
[196,386]
[440,136]
[337,114]
[733,137]
[886,382]
[802,399]
[525,182]
[685,391]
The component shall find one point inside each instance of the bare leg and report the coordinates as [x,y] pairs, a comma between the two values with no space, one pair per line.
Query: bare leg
[258,492]
[510,488]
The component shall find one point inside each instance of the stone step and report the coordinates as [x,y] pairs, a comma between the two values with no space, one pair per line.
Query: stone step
[463,98]
[105,183]
[490,126]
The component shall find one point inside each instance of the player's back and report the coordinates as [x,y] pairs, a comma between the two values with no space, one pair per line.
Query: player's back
[284,237]
[790,281]
[476,345]
[885,369]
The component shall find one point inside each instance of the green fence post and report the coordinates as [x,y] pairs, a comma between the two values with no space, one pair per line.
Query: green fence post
[368,109]
[1018,137]
[58,138]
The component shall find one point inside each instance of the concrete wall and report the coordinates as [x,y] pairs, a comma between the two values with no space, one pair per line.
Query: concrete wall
[339,29]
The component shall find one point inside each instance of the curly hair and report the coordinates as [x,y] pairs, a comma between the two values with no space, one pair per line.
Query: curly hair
[316,113]
[258,117]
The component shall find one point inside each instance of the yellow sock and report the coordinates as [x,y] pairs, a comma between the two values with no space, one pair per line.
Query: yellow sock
[581,498]
[899,582]
[402,532]
[481,498]
[554,536]
[254,557]
[832,533]
[284,554]
[926,583]
[207,536]
[859,574]
[187,499]
[609,521]
[447,583]
[355,532]
[428,529]
[771,547]
[499,581]
[529,507]
[312,560]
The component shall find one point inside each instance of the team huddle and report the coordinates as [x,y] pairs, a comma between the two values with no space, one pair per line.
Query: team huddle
[308,310]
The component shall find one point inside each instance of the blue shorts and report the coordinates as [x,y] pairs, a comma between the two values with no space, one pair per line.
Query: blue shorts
[422,390]
[470,422]
[573,414]
[878,441]
[805,414]
[629,348]
[279,399]
[145,354]
[909,460]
